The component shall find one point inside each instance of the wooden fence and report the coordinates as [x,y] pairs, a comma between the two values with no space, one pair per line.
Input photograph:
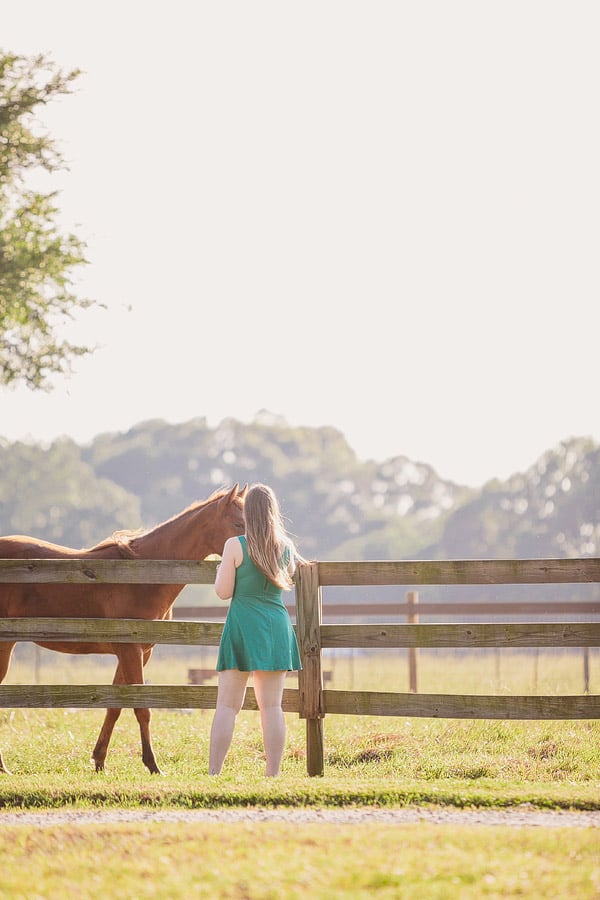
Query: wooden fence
[310,700]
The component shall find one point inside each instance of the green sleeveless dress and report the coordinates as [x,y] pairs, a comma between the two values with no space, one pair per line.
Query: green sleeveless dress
[258,632]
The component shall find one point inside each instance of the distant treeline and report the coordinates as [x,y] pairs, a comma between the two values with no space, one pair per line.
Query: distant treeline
[337,506]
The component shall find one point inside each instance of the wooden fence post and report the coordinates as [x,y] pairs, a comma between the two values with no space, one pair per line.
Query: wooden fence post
[412,600]
[310,678]
[586,670]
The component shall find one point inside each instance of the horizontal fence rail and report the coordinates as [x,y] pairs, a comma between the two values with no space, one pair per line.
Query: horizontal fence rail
[360,703]
[459,706]
[368,572]
[91,696]
[460,571]
[127,631]
[310,700]
[473,635]
[208,634]
[456,607]
[106,571]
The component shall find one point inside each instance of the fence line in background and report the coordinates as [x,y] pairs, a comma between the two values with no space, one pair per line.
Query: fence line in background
[310,700]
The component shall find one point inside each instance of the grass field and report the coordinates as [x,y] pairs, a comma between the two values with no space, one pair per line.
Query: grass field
[438,760]
[276,860]
[368,762]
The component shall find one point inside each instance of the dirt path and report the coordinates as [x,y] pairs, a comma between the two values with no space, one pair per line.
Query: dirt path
[524,816]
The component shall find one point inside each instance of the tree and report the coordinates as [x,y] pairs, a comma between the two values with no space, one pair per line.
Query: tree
[37,261]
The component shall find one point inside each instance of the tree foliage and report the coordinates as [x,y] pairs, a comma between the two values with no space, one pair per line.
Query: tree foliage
[338,507]
[49,492]
[37,261]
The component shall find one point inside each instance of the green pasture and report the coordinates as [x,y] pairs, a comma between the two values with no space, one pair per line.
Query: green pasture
[369,762]
[378,760]
[282,861]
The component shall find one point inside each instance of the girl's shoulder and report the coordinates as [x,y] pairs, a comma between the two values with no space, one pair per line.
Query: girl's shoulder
[235,546]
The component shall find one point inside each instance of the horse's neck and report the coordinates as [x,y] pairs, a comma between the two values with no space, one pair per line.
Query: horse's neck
[185,537]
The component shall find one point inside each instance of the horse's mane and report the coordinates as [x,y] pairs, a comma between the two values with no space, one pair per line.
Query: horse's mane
[122,539]
[216,495]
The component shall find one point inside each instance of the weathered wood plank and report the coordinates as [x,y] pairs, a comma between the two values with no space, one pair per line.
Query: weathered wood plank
[363,703]
[461,571]
[310,678]
[111,631]
[488,634]
[156,696]
[412,598]
[373,636]
[460,706]
[107,571]
[315,747]
[393,610]
[369,572]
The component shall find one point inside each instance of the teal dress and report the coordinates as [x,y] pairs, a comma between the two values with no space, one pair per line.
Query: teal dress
[258,632]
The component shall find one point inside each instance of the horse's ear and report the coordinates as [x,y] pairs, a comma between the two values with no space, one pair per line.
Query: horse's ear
[243,492]
[233,492]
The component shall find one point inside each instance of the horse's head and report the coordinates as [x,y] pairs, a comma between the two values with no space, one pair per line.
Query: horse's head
[199,531]
[229,521]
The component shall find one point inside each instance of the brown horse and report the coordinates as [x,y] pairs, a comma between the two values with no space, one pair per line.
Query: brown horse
[195,533]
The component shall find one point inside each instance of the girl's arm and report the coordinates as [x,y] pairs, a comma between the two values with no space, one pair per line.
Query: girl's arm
[231,559]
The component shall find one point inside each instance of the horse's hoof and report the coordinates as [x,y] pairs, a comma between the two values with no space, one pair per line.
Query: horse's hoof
[151,764]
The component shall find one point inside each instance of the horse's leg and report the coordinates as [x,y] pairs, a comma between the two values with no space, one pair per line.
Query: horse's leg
[6,650]
[143,716]
[132,659]
[110,719]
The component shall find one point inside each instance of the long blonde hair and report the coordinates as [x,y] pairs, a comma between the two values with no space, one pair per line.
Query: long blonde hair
[266,536]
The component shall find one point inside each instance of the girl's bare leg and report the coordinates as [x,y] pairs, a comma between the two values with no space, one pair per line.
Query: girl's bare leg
[230,698]
[268,687]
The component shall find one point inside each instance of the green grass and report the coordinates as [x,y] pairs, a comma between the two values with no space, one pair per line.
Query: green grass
[369,762]
[381,760]
[280,860]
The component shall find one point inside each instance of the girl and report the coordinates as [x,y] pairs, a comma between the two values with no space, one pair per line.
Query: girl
[258,635]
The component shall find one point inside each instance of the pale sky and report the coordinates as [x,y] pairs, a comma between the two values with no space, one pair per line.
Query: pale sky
[381,216]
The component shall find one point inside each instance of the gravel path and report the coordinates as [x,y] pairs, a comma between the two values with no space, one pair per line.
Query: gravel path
[518,817]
